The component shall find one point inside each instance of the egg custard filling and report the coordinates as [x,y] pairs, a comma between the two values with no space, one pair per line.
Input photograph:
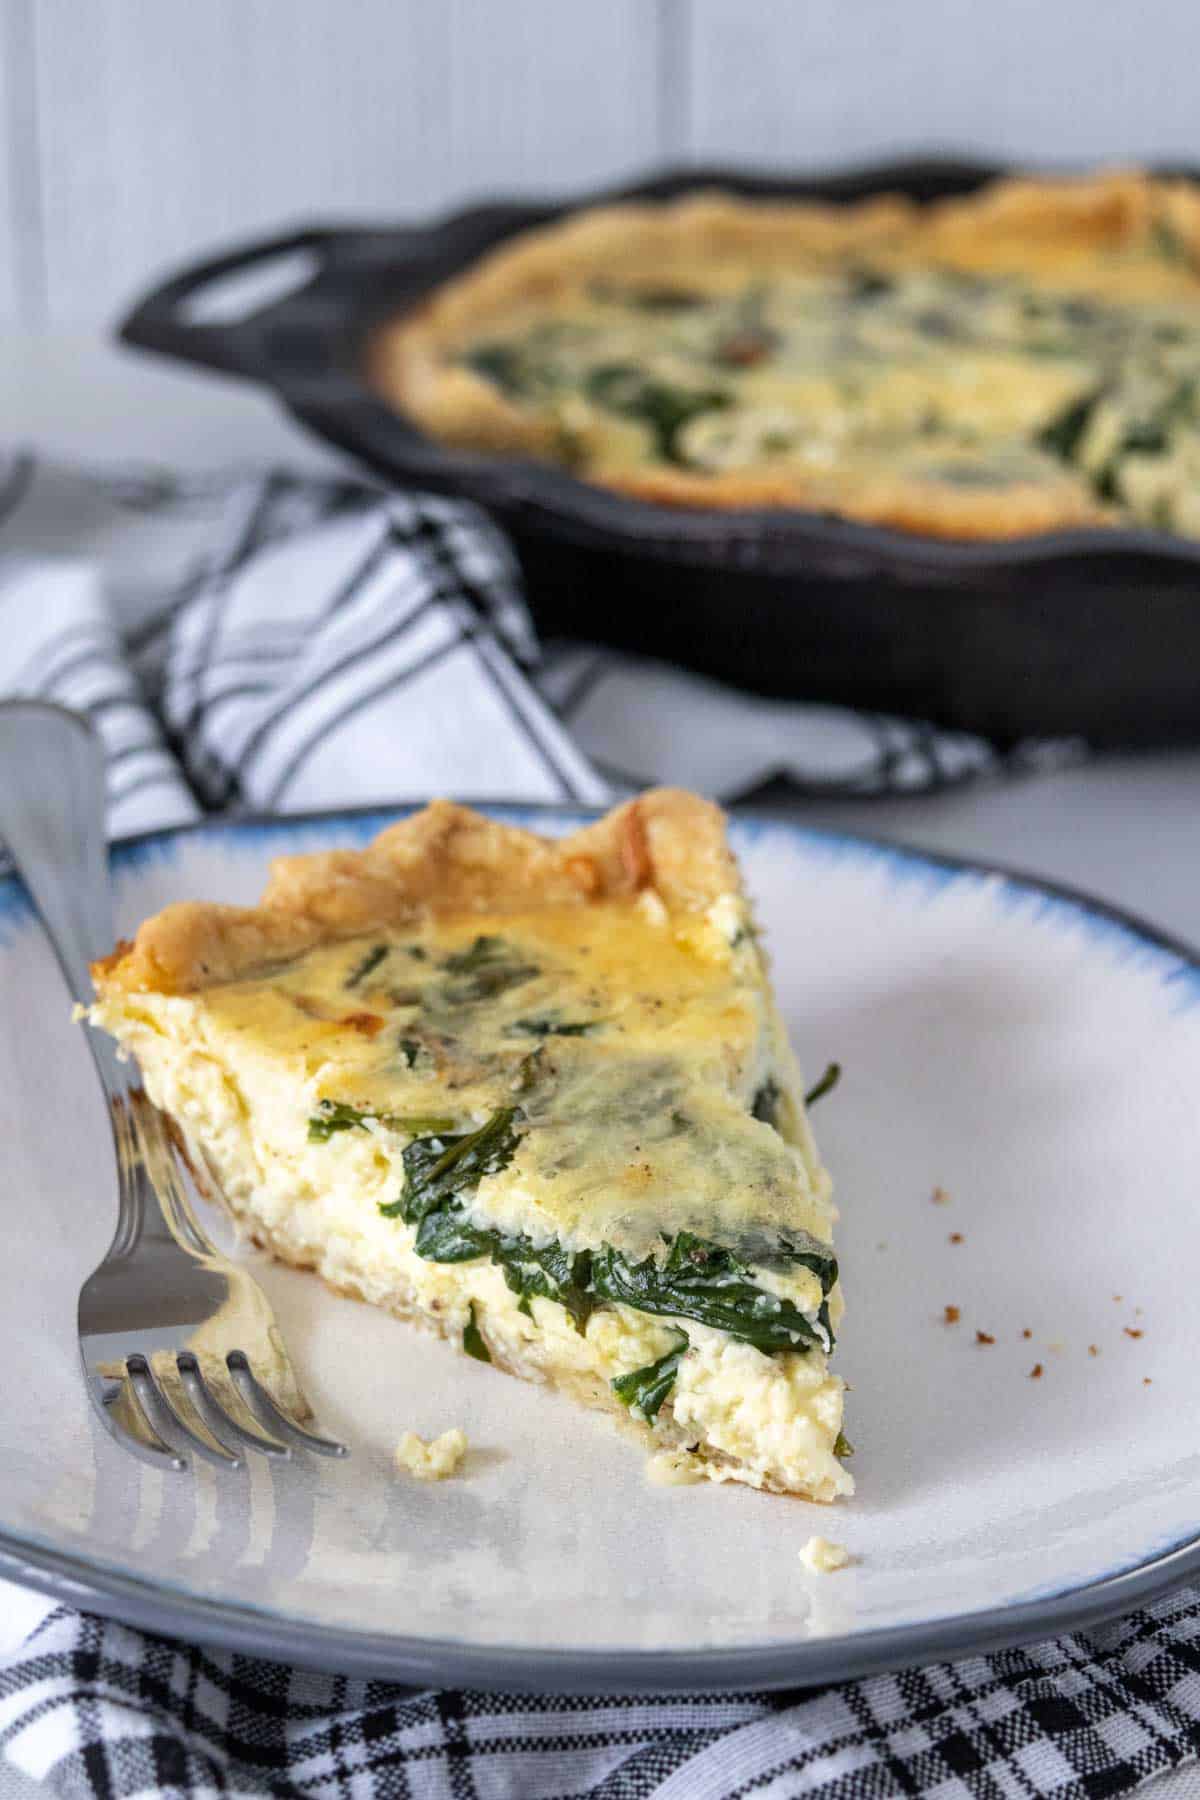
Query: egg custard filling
[532,1094]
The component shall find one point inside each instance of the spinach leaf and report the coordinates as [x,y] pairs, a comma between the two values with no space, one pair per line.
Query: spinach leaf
[505,365]
[483,951]
[1064,433]
[1146,434]
[1147,437]
[529,1269]
[936,322]
[446,1236]
[698,1280]
[868,284]
[489,967]
[487,983]
[335,1115]
[765,1107]
[1152,435]
[842,1445]
[362,969]
[547,1026]
[701,1281]
[438,1168]
[826,1085]
[331,1116]
[799,1248]
[644,1390]
[548,1270]
[473,1342]
[663,405]
[437,1172]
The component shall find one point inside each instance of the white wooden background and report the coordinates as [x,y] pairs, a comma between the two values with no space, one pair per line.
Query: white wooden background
[137,133]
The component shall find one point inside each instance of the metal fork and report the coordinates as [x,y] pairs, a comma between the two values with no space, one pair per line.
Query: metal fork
[180,1348]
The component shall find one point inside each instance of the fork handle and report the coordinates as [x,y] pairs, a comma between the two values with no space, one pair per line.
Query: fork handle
[52,822]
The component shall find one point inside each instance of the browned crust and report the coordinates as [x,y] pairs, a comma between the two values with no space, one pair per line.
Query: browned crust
[1047,229]
[445,859]
[935,508]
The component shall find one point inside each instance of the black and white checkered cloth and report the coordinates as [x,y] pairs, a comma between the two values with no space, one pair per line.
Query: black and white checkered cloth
[253,641]
[100,1710]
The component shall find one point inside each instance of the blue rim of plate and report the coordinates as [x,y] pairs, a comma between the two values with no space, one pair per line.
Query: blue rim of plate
[93,1586]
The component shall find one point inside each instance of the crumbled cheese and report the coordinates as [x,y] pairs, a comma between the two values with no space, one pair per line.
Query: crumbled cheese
[433,1461]
[777,1416]
[823,1557]
[674,1468]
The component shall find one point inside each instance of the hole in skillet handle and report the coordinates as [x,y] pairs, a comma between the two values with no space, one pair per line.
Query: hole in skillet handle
[245,292]
[216,312]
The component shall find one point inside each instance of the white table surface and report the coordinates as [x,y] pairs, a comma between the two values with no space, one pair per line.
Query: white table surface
[1125,827]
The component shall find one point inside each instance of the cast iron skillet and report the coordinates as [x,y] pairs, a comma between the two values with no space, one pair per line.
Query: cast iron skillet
[1084,631]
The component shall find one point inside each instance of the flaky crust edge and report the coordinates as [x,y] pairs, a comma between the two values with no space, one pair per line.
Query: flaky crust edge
[997,226]
[444,859]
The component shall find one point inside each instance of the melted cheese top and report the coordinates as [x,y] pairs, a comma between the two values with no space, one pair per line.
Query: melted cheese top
[632,1043]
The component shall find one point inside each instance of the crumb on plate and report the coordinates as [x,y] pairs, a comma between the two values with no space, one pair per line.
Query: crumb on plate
[1026,1333]
[956,1237]
[1132,1331]
[433,1461]
[984,1337]
[823,1557]
[952,1315]
[940,1197]
[1093,1349]
[674,1468]
[1035,1374]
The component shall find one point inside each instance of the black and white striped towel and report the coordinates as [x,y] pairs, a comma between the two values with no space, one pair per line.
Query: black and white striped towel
[261,642]
[265,642]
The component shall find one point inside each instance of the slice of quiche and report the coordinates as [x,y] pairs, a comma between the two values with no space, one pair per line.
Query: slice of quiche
[533,1094]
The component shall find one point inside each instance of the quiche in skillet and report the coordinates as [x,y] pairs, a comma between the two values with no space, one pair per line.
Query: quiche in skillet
[1017,361]
[532,1094]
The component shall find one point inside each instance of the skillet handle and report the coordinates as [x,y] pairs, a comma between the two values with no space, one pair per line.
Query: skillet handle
[175,319]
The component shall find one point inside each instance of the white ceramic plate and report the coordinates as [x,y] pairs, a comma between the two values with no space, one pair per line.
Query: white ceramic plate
[1031,1054]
